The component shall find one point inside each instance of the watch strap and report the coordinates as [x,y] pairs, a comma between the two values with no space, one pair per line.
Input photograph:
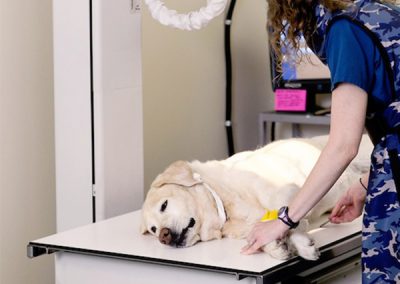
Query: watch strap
[284,217]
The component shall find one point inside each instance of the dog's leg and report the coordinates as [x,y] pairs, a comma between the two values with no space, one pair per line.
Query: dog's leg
[210,235]
[210,231]
[296,242]
[236,229]
[303,244]
[278,249]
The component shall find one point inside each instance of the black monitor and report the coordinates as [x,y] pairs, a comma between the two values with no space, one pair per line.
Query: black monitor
[310,74]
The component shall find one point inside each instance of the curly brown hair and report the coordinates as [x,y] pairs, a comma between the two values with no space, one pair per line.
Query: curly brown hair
[293,19]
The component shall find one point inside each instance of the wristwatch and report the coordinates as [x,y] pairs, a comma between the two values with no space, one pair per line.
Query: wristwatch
[283,215]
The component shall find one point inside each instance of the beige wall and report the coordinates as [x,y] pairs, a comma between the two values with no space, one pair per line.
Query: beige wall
[27,187]
[184,86]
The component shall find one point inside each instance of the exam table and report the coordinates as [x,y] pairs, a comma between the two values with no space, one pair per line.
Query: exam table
[113,251]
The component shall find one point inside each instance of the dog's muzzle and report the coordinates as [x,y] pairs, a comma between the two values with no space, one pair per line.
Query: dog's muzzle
[168,237]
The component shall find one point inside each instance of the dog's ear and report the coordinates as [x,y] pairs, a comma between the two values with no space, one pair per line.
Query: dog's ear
[179,173]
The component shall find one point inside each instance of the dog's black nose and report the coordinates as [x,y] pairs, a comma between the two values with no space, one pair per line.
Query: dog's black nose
[165,236]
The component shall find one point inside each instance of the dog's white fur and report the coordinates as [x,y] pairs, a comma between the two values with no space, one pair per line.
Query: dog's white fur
[248,183]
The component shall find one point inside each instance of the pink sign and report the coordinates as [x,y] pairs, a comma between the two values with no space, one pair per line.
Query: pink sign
[290,100]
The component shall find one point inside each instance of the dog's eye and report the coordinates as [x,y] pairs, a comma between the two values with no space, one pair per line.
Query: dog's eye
[153,229]
[164,206]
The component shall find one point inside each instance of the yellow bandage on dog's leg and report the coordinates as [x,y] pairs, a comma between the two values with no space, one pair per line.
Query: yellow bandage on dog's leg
[269,215]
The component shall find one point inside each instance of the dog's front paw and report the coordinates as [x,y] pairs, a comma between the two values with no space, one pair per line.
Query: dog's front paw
[304,245]
[208,235]
[235,229]
[278,250]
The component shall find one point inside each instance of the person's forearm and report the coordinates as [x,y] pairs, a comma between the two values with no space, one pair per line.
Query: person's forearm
[320,180]
[347,123]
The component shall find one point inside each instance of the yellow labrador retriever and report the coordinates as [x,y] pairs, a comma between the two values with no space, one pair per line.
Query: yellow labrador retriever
[201,201]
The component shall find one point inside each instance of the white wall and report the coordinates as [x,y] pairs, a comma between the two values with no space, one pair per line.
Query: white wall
[27,186]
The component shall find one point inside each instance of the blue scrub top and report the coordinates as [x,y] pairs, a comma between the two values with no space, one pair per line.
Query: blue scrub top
[353,58]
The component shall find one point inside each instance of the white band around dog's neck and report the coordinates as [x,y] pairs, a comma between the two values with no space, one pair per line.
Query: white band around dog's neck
[218,200]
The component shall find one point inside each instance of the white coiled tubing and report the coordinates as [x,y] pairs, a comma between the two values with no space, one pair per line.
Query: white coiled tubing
[194,20]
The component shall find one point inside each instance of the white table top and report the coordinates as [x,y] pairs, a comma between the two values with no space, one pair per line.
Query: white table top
[120,237]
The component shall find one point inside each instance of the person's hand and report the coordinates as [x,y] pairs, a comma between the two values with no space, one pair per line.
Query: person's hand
[349,206]
[263,233]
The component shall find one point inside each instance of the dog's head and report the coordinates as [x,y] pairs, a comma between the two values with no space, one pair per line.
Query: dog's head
[170,211]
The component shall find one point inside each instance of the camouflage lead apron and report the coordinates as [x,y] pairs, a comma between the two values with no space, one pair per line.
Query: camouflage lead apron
[381,223]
